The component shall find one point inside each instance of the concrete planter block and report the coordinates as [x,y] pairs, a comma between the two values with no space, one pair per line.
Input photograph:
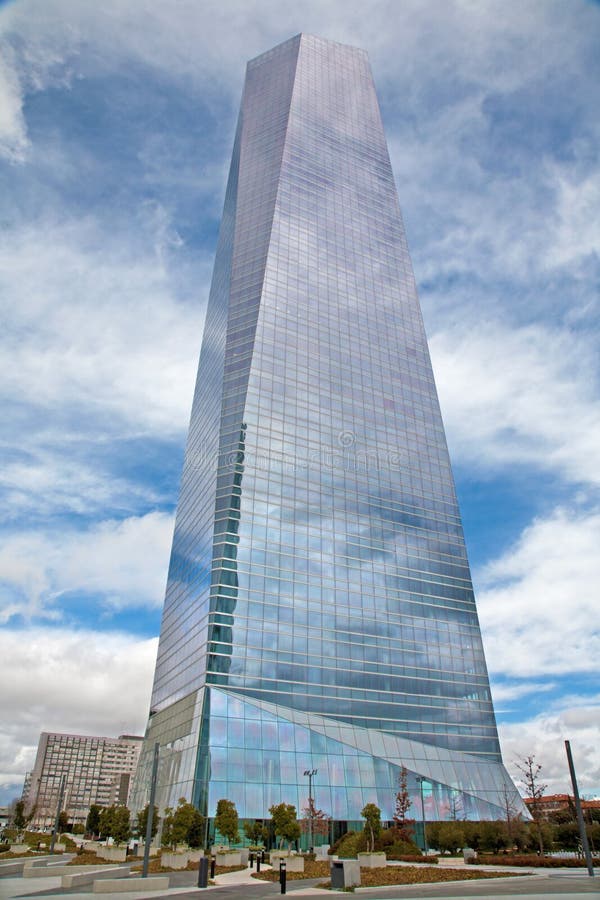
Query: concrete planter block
[94,846]
[45,871]
[174,860]
[115,885]
[80,875]
[294,863]
[153,849]
[245,855]
[113,854]
[232,858]
[195,855]
[19,848]
[372,860]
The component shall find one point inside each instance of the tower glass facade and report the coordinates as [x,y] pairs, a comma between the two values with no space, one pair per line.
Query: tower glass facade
[319,611]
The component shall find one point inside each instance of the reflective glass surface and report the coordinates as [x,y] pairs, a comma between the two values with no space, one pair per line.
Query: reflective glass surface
[319,587]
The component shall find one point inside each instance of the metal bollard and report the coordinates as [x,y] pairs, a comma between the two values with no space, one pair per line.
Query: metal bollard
[258,861]
[282,875]
[203,872]
[213,862]
[251,860]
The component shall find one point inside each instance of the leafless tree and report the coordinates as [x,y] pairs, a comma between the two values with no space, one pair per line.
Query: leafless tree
[530,778]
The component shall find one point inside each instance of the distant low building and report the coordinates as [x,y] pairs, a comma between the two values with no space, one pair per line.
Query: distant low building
[553,803]
[95,770]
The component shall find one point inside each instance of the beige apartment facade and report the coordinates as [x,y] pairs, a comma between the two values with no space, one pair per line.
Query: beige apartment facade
[95,770]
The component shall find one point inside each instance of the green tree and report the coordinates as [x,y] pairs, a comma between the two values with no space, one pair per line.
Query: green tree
[372,816]
[182,825]
[115,823]
[226,820]
[195,835]
[142,821]
[121,830]
[256,832]
[19,819]
[493,837]
[63,821]
[567,836]
[285,822]
[404,825]
[530,777]
[105,822]
[92,823]
[450,837]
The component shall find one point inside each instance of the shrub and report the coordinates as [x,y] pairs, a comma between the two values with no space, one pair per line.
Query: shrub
[540,862]
[349,845]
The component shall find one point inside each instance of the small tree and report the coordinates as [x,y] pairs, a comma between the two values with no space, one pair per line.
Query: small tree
[115,823]
[256,832]
[285,822]
[182,825]
[530,778]
[450,837]
[106,821]
[19,820]
[92,823]
[142,821]
[63,821]
[403,824]
[511,815]
[226,820]
[195,835]
[121,830]
[372,816]
[493,836]
[314,820]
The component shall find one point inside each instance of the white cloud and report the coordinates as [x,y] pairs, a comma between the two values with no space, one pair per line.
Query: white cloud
[576,233]
[83,682]
[526,395]
[538,602]
[506,691]
[124,562]
[95,328]
[13,129]
[543,737]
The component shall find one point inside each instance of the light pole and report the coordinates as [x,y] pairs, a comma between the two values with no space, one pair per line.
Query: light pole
[420,781]
[310,773]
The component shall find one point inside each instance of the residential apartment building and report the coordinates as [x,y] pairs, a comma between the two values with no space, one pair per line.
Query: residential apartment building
[95,770]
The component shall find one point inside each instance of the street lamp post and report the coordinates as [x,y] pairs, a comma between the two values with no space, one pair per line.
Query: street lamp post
[310,773]
[420,781]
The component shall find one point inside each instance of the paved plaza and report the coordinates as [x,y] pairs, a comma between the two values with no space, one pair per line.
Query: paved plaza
[560,883]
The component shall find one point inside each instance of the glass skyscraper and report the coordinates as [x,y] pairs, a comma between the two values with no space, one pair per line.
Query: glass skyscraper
[319,612]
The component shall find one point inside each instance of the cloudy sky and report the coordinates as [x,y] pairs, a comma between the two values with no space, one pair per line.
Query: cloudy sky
[116,127]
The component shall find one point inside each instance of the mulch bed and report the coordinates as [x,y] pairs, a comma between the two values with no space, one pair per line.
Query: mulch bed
[89,858]
[420,875]
[530,860]
[312,869]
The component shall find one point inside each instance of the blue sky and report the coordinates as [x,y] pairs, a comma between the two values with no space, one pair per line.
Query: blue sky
[116,127]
